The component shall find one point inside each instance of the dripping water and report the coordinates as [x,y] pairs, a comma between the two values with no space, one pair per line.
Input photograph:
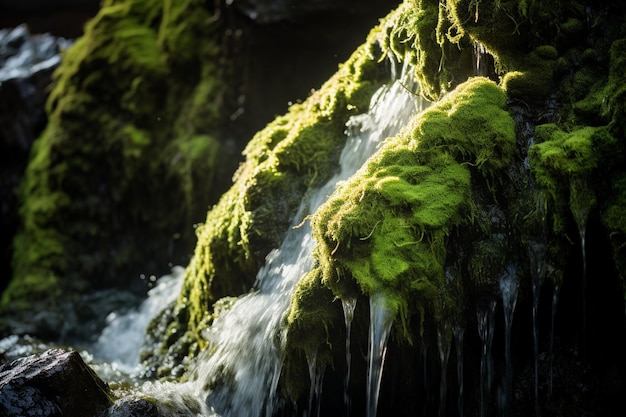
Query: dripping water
[381,319]
[316,379]
[555,301]
[444,343]
[486,317]
[508,288]
[458,333]
[536,255]
[480,54]
[581,201]
[349,305]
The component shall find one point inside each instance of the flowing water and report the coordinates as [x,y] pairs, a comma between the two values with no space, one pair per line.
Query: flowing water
[349,305]
[121,340]
[486,324]
[444,344]
[238,375]
[458,333]
[381,319]
[508,288]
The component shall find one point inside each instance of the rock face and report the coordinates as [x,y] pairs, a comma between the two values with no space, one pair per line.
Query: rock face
[26,65]
[52,383]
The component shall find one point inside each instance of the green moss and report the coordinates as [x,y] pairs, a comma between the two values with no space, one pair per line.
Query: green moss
[295,151]
[563,162]
[128,158]
[385,230]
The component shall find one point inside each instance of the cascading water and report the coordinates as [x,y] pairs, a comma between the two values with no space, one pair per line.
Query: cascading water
[121,340]
[238,374]
[381,319]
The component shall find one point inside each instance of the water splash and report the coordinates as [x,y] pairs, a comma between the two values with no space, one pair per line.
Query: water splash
[509,286]
[381,319]
[486,324]
[121,340]
[349,305]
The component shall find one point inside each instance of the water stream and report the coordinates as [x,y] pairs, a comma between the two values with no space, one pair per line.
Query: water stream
[349,305]
[381,319]
[486,324]
[509,286]
[458,333]
[444,344]
[238,374]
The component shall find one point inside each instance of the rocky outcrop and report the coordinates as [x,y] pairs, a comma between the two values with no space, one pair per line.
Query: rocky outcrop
[52,383]
[26,65]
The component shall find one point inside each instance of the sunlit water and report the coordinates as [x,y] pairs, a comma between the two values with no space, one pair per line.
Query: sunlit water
[238,375]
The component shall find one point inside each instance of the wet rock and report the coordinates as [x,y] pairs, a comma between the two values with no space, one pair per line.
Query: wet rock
[52,383]
[26,65]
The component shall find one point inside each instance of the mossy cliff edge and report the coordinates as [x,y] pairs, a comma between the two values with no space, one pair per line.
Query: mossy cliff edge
[499,179]
[492,182]
[127,161]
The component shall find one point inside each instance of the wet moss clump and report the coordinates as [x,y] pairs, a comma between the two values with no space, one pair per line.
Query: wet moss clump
[385,230]
[128,159]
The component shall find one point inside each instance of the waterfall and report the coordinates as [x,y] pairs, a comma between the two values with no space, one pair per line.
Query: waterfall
[486,326]
[508,288]
[381,319]
[238,374]
[121,340]
[480,54]
[349,305]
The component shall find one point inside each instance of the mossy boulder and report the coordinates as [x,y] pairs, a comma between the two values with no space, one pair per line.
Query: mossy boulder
[127,162]
[386,229]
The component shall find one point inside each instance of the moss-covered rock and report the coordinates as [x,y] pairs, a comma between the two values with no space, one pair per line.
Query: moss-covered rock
[386,228]
[127,161]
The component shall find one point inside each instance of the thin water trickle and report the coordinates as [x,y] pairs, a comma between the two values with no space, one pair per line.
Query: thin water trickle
[480,53]
[508,288]
[536,256]
[444,344]
[316,379]
[486,324]
[458,332]
[555,302]
[349,305]
[582,199]
[381,320]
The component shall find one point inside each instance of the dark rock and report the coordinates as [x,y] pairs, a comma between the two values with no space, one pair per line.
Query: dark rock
[26,65]
[52,383]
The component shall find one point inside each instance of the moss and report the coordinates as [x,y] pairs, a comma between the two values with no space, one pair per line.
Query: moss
[128,158]
[295,151]
[564,161]
[386,229]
